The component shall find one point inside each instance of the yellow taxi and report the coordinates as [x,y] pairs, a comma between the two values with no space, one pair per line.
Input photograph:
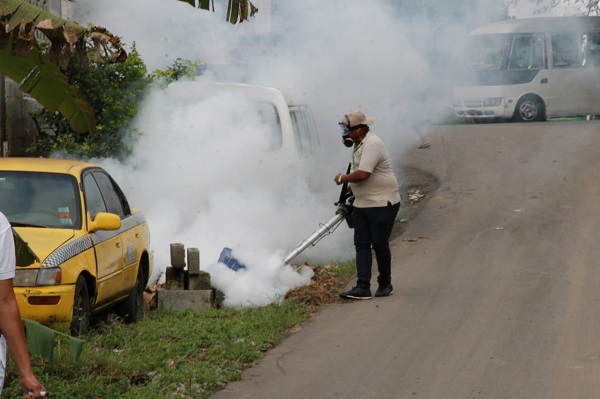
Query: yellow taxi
[80,247]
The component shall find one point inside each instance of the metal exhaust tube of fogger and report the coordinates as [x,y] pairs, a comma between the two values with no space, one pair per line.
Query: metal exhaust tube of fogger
[343,211]
[315,237]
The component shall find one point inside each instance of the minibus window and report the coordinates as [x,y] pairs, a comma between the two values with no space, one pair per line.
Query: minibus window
[565,50]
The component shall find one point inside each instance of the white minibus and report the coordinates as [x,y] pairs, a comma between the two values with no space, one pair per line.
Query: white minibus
[532,69]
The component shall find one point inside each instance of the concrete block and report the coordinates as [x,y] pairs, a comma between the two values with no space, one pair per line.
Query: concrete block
[175,278]
[200,281]
[170,300]
[193,260]
[178,255]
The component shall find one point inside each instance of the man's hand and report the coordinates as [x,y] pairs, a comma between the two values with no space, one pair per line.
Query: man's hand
[34,389]
[355,177]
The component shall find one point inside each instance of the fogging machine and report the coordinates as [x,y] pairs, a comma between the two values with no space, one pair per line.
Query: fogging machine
[343,212]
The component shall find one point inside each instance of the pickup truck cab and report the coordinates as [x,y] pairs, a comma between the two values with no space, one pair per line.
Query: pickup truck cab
[293,127]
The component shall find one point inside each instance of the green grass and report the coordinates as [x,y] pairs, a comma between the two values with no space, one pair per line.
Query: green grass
[570,118]
[184,354]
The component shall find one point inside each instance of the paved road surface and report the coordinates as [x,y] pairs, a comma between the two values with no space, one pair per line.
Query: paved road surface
[497,282]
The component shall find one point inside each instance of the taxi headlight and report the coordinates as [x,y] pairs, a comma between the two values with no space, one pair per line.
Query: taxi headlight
[49,276]
[25,278]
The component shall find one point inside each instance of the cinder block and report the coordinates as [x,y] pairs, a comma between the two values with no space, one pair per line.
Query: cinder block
[200,281]
[170,300]
[178,255]
[193,260]
[175,278]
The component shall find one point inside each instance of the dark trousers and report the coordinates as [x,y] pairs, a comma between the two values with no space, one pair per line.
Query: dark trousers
[372,229]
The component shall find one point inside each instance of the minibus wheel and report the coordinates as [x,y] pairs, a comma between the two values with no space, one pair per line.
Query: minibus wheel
[529,109]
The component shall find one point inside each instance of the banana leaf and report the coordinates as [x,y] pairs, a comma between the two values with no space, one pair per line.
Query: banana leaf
[237,10]
[43,80]
[240,11]
[202,4]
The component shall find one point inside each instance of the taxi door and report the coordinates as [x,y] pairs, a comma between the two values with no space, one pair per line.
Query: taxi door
[131,237]
[108,245]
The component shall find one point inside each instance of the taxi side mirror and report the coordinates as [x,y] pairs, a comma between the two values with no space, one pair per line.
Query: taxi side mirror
[104,221]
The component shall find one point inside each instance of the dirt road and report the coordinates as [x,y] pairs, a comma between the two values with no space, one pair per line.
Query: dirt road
[497,282]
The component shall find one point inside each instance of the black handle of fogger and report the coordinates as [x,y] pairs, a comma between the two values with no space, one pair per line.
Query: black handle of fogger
[344,204]
[344,193]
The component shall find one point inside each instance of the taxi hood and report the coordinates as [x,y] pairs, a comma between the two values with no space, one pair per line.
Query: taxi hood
[34,244]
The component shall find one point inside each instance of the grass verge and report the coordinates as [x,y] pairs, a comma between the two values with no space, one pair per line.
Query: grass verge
[179,354]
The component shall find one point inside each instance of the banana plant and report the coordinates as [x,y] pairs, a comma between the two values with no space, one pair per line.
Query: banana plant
[237,10]
[41,75]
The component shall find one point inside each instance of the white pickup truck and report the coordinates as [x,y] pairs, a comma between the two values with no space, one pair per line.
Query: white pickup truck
[292,125]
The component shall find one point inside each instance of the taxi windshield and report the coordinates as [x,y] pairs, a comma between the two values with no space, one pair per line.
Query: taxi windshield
[44,200]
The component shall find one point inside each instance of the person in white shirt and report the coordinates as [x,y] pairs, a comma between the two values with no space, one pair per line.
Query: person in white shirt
[11,325]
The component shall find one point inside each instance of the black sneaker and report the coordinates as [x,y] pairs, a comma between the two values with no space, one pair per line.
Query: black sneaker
[357,293]
[384,290]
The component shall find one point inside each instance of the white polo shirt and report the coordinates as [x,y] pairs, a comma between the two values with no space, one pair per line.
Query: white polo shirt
[7,266]
[7,254]
[381,187]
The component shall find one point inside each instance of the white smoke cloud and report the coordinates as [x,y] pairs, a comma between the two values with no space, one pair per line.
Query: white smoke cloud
[199,172]
[204,178]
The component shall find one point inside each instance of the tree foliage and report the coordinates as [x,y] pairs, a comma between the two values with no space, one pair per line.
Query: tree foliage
[587,7]
[178,70]
[114,92]
[84,78]
[471,13]
[593,8]
[40,74]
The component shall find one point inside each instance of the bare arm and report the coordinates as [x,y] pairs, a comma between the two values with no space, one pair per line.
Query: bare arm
[11,327]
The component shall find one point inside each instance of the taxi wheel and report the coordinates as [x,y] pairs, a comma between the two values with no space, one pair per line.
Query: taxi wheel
[132,309]
[80,324]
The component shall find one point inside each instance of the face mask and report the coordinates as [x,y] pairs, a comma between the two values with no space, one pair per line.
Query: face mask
[346,139]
